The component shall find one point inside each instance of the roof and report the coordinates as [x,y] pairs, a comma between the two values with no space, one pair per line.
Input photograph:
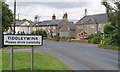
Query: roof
[50,22]
[92,19]
[18,23]
[72,27]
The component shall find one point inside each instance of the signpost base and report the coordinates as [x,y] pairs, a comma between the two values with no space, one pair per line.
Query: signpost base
[11,59]
[32,58]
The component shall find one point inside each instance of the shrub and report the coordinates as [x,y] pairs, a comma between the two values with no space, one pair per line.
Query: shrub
[113,32]
[71,37]
[95,38]
[107,41]
[57,38]
[40,32]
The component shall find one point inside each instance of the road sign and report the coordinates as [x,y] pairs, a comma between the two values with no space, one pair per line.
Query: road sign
[30,40]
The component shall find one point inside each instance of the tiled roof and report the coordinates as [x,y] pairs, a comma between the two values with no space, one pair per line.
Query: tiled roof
[18,23]
[50,22]
[92,19]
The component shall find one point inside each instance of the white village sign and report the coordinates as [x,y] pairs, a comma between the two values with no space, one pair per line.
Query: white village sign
[31,40]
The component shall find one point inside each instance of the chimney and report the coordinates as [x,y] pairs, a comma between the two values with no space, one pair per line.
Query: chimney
[85,12]
[65,16]
[35,18]
[53,17]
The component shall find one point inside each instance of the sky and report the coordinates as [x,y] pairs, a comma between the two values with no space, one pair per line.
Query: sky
[27,9]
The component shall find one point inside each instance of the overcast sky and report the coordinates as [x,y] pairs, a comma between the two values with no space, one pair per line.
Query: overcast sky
[45,9]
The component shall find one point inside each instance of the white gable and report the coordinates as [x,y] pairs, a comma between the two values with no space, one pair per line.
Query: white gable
[26,23]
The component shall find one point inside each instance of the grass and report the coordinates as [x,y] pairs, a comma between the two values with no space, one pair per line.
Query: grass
[22,61]
[18,47]
[109,47]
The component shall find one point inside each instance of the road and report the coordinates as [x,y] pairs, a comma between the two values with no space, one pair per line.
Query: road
[81,56]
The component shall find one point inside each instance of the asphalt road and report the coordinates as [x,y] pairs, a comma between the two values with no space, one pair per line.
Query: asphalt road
[81,56]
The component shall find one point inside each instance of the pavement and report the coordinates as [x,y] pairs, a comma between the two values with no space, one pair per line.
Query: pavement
[79,56]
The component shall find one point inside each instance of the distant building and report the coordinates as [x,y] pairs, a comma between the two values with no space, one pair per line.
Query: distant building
[91,24]
[58,27]
[23,26]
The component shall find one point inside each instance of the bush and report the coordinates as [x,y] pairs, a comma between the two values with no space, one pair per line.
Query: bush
[107,41]
[95,38]
[71,37]
[57,38]
[40,32]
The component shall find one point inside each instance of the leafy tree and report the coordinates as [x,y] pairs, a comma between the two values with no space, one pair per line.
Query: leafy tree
[7,16]
[108,28]
[23,20]
[113,11]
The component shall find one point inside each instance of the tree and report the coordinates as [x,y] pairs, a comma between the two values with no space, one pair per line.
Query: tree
[7,16]
[23,20]
[113,11]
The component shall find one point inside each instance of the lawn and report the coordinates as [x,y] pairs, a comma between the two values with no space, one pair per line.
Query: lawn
[22,61]
[17,47]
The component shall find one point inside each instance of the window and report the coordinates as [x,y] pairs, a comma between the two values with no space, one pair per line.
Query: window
[92,26]
[54,27]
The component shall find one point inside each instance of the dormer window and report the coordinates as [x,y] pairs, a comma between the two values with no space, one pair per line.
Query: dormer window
[88,20]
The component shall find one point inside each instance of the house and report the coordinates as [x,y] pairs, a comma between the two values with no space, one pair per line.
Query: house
[58,27]
[91,24]
[23,26]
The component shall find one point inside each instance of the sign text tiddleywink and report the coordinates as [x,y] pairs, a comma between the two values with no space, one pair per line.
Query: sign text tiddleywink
[22,40]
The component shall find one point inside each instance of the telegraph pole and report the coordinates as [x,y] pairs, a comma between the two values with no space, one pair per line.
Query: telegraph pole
[11,55]
[14,20]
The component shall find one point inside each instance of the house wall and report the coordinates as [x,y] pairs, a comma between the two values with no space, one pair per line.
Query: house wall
[25,29]
[89,28]
[64,30]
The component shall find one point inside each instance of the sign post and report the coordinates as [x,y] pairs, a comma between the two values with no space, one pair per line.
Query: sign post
[32,58]
[22,40]
[11,59]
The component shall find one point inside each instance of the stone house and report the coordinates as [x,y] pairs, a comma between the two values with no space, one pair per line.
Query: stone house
[23,26]
[58,27]
[91,24]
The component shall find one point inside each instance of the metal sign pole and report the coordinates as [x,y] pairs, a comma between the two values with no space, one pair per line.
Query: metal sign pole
[32,58]
[11,59]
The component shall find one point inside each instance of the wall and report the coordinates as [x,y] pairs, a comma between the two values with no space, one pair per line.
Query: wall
[89,28]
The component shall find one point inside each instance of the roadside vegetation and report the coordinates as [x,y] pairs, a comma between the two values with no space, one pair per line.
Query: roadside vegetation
[22,61]
[111,37]
[116,48]
[39,32]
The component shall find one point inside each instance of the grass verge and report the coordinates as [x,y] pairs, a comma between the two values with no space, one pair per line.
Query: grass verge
[18,47]
[22,61]
[109,47]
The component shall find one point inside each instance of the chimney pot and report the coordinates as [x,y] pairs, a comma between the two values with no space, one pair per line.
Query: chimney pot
[65,16]
[53,17]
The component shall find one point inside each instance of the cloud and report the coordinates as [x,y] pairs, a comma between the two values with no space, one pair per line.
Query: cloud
[45,10]
[55,4]
[51,0]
